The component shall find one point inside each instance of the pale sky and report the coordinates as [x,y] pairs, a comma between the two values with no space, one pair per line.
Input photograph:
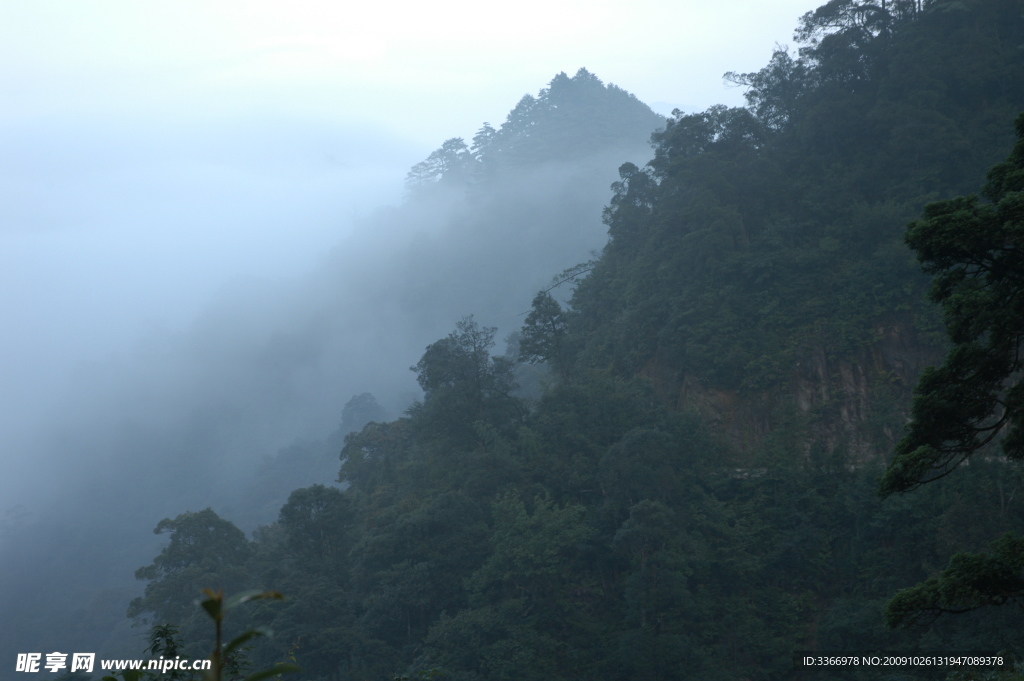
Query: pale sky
[424,70]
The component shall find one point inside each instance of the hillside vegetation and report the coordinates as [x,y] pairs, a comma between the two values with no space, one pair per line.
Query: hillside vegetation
[694,493]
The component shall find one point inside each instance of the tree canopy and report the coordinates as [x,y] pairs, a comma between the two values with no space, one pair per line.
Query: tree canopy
[694,495]
[975,250]
[974,400]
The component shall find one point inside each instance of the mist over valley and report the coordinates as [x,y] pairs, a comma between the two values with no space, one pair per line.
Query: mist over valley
[609,381]
[184,417]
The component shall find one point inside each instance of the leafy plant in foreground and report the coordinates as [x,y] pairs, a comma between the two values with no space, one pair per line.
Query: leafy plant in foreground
[227,660]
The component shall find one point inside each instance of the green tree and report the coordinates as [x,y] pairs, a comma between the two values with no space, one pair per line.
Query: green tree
[204,549]
[970,581]
[976,252]
[452,164]
[463,385]
[772,92]
[316,520]
[529,597]
[543,337]
[372,456]
[654,641]
[976,398]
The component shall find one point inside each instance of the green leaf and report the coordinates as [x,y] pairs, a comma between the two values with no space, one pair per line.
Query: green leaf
[247,636]
[253,595]
[213,604]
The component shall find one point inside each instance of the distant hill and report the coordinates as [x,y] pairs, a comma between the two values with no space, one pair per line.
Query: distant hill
[245,405]
[693,494]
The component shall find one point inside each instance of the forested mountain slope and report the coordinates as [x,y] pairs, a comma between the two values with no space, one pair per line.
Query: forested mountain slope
[695,494]
[757,264]
[484,223]
[244,406]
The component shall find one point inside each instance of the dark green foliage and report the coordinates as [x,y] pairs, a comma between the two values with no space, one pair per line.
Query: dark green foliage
[656,593]
[227,662]
[200,538]
[543,336]
[163,642]
[316,520]
[763,246]
[627,524]
[463,385]
[371,457]
[975,397]
[611,541]
[204,550]
[463,360]
[774,90]
[970,581]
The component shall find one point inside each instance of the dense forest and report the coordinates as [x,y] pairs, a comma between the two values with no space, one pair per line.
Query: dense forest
[672,470]
[242,407]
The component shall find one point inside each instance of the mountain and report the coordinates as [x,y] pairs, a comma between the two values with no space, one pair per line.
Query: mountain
[756,269]
[693,492]
[244,406]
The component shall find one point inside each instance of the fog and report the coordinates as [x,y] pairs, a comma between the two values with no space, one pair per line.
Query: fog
[113,234]
[205,250]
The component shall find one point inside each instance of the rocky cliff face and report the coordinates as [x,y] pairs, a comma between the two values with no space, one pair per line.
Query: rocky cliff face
[858,402]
